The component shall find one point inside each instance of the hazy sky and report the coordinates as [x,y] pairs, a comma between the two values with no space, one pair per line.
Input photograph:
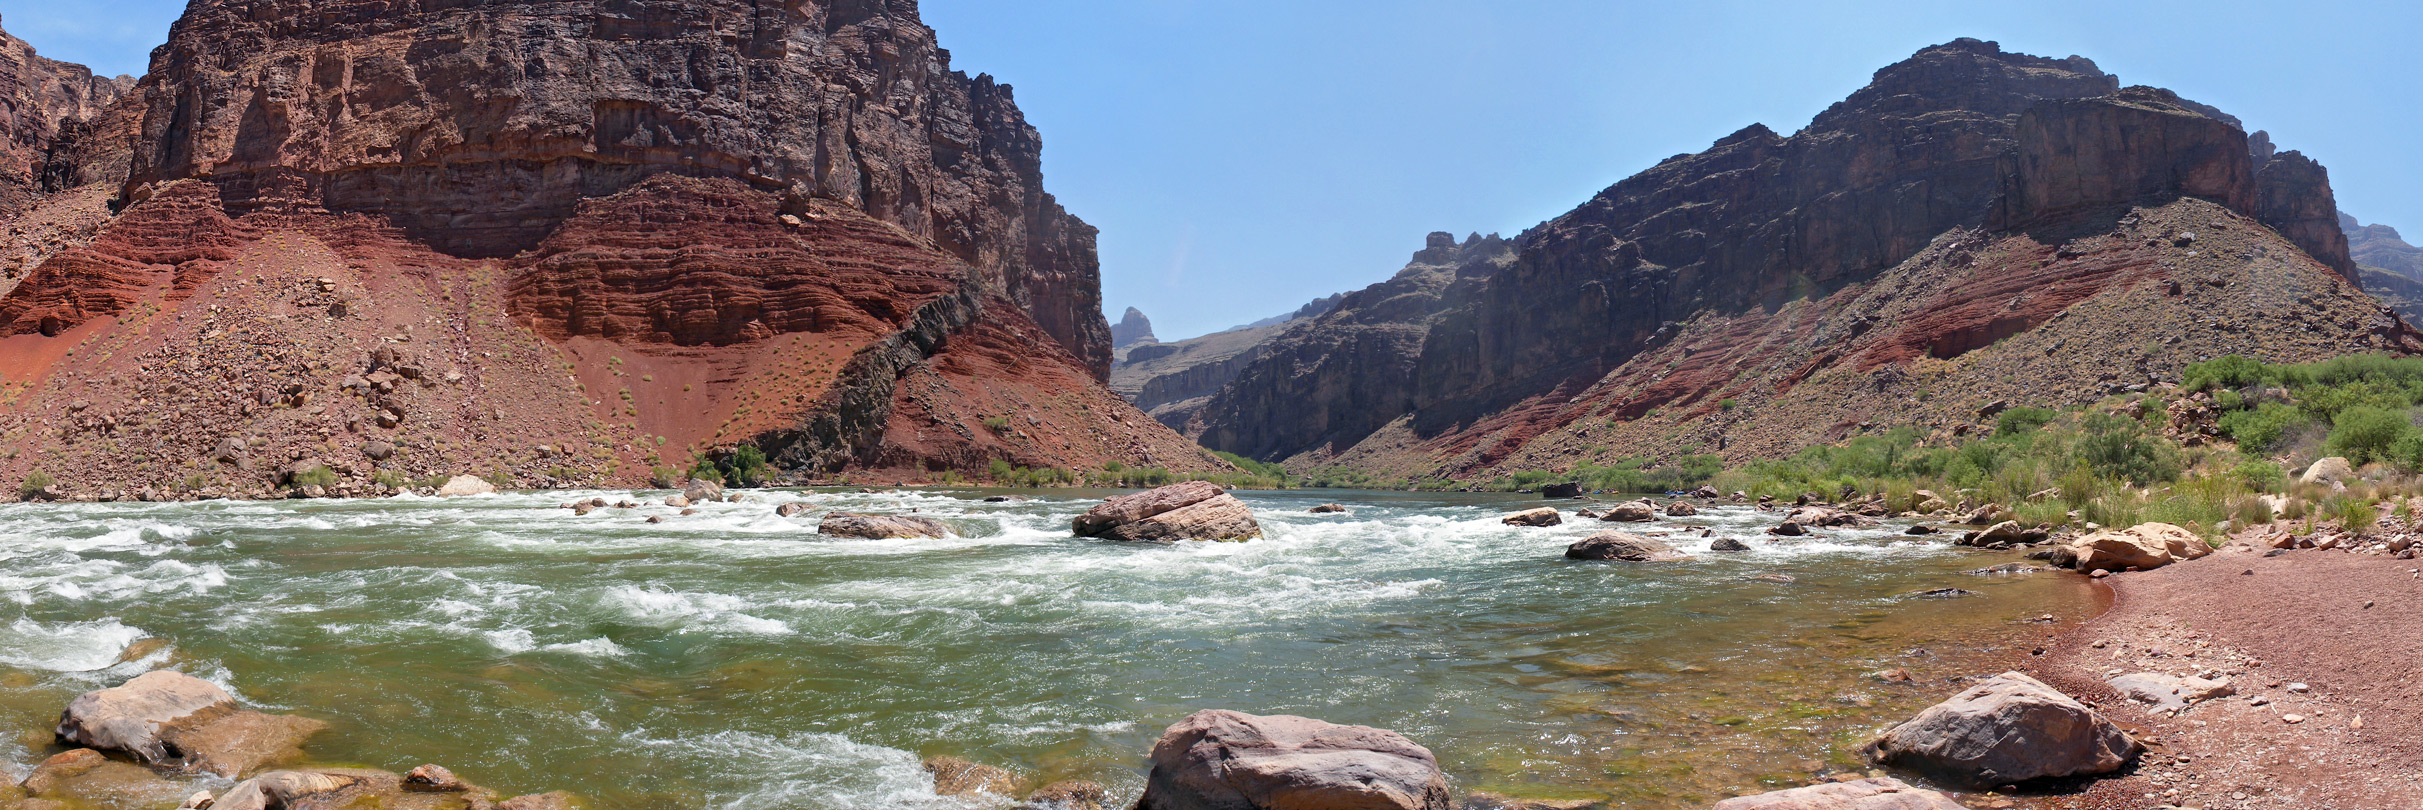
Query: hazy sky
[1244,156]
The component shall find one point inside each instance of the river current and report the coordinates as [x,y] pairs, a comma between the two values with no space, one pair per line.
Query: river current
[732,659]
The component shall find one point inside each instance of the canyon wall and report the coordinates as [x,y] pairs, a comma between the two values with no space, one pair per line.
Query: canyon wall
[1962,136]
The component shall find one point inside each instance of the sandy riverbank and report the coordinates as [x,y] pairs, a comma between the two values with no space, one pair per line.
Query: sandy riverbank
[2348,626]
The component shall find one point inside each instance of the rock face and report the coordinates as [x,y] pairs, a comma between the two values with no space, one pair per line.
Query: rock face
[2009,729]
[1133,328]
[44,102]
[1715,302]
[130,717]
[882,527]
[1623,547]
[795,228]
[2391,268]
[1220,760]
[1864,794]
[362,106]
[1195,510]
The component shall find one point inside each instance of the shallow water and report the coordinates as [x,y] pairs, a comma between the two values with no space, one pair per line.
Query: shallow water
[734,660]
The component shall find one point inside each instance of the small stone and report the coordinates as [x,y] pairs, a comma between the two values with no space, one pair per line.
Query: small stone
[2299,688]
[2292,719]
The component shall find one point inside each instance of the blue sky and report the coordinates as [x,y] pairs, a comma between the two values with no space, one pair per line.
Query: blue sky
[1244,156]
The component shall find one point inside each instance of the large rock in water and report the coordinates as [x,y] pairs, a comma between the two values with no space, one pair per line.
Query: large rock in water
[1536,518]
[1624,547]
[2145,548]
[169,718]
[1864,794]
[464,486]
[129,718]
[882,527]
[2009,729]
[1195,510]
[1222,760]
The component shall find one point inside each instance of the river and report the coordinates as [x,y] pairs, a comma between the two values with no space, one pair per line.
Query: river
[732,659]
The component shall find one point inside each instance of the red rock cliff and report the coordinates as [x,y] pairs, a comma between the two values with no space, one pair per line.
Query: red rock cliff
[479,127]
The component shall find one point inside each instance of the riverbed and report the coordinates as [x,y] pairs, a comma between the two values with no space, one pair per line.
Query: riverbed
[732,659]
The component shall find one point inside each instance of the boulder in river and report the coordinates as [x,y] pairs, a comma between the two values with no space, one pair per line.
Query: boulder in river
[1068,796]
[1195,510]
[1789,528]
[464,486]
[958,777]
[1222,760]
[1727,544]
[1623,547]
[1681,509]
[702,491]
[792,509]
[2004,535]
[882,527]
[2145,548]
[129,718]
[1536,518]
[1330,509]
[1633,512]
[2009,729]
[1863,794]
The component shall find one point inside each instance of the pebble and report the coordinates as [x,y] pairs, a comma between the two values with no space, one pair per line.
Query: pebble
[2299,688]
[2292,719]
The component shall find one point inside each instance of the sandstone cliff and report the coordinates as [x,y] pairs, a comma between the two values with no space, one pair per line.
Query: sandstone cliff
[2392,269]
[559,242]
[1132,328]
[1961,138]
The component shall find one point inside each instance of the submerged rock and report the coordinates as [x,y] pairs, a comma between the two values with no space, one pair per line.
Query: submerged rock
[243,743]
[882,527]
[958,777]
[1864,794]
[1329,509]
[1196,510]
[1727,544]
[1623,547]
[2009,729]
[1068,796]
[1222,760]
[1536,518]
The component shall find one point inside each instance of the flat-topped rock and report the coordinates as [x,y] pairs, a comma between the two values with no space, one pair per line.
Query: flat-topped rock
[1618,546]
[1195,510]
[1535,518]
[882,527]
[1864,794]
[1222,760]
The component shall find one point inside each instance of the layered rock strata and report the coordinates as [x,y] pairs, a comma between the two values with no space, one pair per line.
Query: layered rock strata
[1955,199]
[558,243]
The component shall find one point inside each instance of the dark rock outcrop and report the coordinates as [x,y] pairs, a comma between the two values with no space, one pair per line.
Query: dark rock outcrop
[1133,328]
[45,106]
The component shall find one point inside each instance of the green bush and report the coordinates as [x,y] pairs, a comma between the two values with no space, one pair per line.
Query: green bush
[2366,434]
[2021,421]
[2119,448]
[2260,429]
[318,476]
[34,484]
[2227,373]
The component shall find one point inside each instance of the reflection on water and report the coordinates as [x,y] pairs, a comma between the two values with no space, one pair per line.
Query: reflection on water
[732,659]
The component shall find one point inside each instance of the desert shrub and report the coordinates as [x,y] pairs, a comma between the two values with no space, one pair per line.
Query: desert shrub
[318,476]
[2260,476]
[35,483]
[2021,421]
[2120,448]
[2366,434]
[2261,429]
[2227,373]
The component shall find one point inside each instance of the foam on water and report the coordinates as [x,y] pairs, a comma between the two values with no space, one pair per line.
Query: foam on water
[67,646]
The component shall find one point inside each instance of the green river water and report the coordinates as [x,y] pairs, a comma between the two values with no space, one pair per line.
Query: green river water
[734,660]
